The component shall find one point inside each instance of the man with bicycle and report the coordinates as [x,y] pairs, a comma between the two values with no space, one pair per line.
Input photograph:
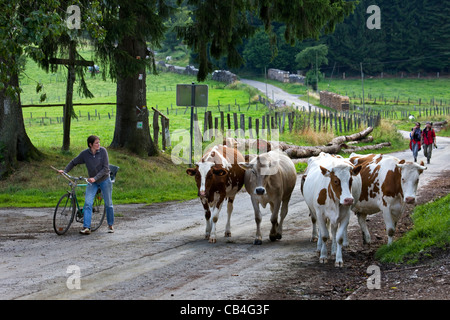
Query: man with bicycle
[96,160]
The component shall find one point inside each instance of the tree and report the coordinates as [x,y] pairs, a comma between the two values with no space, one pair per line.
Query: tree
[314,57]
[129,26]
[217,29]
[413,37]
[66,46]
[23,26]
[220,26]
[257,52]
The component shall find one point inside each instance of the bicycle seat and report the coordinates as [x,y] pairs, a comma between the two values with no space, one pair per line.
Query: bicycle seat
[113,171]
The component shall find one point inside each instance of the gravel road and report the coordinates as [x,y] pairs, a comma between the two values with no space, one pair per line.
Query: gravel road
[276,94]
[158,251]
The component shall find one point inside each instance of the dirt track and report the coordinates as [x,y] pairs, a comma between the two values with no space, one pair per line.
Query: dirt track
[158,252]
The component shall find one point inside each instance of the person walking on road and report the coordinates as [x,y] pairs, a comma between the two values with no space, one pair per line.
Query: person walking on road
[414,143]
[428,140]
[97,163]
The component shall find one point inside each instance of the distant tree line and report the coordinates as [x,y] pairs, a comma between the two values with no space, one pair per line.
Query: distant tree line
[414,37]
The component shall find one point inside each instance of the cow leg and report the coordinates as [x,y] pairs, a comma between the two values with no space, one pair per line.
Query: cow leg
[390,224]
[207,218]
[258,218]
[340,238]
[229,211]
[324,236]
[343,213]
[363,224]
[319,244]
[314,236]
[334,227]
[215,218]
[275,208]
[283,213]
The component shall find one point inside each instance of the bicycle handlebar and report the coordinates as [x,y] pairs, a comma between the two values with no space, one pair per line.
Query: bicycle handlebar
[70,178]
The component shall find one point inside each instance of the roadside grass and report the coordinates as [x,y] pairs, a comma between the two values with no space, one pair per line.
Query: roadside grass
[445,132]
[139,180]
[431,230]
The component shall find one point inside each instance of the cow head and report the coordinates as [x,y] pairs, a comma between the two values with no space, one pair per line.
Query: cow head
[205,174]
[410,172]
[261,167]
[340,186]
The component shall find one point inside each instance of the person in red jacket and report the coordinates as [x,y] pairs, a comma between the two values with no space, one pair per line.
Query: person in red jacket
[428,140]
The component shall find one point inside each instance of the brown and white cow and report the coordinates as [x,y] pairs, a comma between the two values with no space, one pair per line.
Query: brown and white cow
[218,177]
[388,183]
[331,185]
[270,178]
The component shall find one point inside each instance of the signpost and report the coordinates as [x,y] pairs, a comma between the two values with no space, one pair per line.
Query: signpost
[192,95]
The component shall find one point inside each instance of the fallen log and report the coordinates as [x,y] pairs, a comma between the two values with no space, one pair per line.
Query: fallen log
[350,149]
[365,140]
[352,137]
[297,152]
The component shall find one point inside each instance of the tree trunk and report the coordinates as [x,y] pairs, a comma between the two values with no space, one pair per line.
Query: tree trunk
[68,108]
[132,130]
[15,145]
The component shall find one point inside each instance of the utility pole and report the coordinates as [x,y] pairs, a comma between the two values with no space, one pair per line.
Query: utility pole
[265,76]
[317,75]
[362,83]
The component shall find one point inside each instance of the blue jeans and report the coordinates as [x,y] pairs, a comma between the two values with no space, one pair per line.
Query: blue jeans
[91,190]
[415,150]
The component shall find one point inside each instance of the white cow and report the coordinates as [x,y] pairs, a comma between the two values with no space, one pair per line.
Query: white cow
[331,186]
[270,178]
[388,183]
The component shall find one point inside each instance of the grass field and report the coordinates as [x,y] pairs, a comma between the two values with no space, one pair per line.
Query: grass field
[391,89]
[143,180]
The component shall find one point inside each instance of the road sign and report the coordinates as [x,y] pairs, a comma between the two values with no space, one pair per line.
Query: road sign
[184,95]
[192,95]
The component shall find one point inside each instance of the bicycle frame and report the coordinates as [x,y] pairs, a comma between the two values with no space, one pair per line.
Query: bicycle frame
[74,184]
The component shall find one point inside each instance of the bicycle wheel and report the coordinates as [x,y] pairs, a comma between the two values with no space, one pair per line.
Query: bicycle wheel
[98,211]
[64,214]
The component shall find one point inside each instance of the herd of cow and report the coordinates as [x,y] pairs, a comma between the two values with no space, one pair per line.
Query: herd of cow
[332,187]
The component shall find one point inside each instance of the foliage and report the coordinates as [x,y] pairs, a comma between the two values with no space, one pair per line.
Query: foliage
[23,27]
[141,20]
[413,37]
[218,27]
[314,57]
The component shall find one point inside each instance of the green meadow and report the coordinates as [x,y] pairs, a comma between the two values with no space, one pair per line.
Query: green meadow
[141,180]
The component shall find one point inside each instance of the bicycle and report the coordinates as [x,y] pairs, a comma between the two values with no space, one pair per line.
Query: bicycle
[68,208]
